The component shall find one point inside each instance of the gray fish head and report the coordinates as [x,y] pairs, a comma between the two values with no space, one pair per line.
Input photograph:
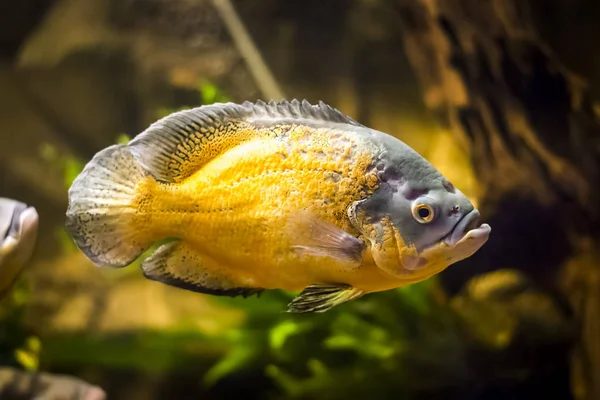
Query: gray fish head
[425,215]
[430,215]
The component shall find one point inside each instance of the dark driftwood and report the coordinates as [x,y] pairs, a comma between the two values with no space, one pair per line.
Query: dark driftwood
[534,139]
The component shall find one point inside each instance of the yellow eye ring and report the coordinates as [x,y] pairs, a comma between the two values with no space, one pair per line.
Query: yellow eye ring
[423,213]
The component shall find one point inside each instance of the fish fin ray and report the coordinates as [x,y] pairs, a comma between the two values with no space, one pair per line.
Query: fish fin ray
[179,144]
[318,298]
[313,236]
[176,264]
[100,209]
[297,110]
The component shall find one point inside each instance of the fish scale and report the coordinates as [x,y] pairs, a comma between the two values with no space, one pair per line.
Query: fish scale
[249,207]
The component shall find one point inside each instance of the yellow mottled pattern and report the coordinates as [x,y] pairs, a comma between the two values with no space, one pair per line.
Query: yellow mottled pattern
[233,211]
[207,143]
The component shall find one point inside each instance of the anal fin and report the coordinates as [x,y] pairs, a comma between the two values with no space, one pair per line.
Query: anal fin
[322,297]
[176,264]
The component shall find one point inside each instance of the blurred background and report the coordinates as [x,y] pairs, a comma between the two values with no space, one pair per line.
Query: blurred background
[500,95]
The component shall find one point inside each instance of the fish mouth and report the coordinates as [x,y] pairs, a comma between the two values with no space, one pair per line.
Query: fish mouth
[14,224]
[16,220]
[469,223]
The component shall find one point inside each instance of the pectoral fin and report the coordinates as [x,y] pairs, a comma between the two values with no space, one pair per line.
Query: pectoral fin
[412,262]
[176,264]
[313,236]
[320,298]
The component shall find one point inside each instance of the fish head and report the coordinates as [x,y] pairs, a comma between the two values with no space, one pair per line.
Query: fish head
[18,231]
[434,224]
[432,215]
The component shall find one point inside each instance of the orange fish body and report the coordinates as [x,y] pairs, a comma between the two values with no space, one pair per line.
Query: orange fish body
[257,196]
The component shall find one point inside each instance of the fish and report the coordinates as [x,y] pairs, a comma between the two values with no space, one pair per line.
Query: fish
[279,195]
[18,234]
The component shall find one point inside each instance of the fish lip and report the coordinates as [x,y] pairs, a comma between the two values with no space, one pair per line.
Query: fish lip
[19,232]
[23,219]
[467,223]
[16,223]
[10,211]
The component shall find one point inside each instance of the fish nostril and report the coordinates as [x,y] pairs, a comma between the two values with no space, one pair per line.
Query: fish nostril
[454,210]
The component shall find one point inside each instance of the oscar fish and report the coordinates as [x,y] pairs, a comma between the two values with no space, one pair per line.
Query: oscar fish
[281,195]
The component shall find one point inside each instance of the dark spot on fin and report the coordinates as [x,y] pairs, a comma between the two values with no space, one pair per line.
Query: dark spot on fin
[311,235]
[176,264]
[320,298]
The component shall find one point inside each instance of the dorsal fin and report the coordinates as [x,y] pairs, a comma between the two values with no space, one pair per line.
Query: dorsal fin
[177,145]
[296,110]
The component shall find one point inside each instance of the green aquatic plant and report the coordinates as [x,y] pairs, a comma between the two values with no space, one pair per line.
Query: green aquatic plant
[380,345]
[29,354]
[18,346]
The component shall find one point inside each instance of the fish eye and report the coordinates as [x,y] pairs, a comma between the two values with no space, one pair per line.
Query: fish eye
[423,213]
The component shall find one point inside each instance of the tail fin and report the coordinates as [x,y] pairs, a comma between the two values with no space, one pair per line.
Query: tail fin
[101,209]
